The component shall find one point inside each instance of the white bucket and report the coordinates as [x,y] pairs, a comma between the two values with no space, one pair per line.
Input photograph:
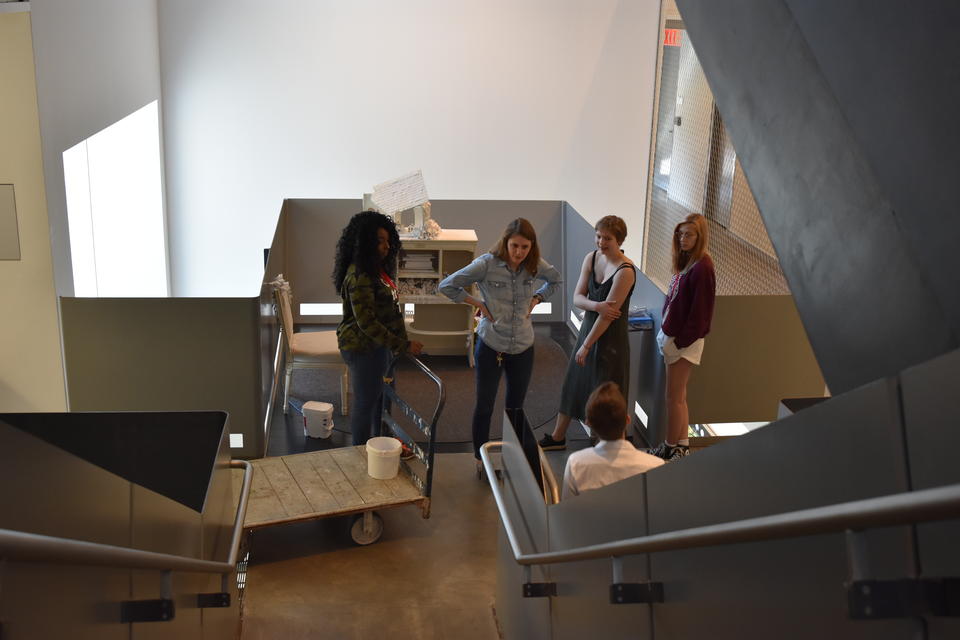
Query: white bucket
[383,457]
[317,419]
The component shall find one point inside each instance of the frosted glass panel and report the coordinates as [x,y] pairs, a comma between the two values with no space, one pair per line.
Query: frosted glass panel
[115,209]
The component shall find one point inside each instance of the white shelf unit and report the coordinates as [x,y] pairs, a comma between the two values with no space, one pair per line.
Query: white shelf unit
[444,327]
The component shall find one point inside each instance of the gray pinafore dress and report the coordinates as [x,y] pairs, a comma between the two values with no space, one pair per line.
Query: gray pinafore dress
[609,359]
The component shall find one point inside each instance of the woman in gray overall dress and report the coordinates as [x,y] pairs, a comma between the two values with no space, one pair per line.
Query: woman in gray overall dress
[602,353]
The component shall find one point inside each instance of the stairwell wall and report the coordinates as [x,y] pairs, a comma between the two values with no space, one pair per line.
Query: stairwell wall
[31,369]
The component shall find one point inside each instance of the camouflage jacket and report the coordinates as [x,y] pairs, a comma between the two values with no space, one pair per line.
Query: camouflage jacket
[371,315]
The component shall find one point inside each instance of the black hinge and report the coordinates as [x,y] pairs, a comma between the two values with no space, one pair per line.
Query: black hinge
[539,589]
[146,610]
[636,592]
[213,600]
[904,598]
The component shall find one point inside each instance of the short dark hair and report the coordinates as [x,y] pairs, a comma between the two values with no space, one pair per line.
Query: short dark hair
[607,411]
[614,225]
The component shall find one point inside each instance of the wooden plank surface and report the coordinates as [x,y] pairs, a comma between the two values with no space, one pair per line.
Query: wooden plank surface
[353,463]
[312,485]
[338,484]
[263,504]
[285,486]
[319,484]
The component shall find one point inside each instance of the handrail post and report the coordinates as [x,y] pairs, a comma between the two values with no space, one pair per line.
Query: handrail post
[166,584]
[858,562]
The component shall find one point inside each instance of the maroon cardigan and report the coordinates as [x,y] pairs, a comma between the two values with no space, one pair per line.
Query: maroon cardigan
[692,309]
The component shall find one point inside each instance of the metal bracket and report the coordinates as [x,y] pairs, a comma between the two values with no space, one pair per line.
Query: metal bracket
[539,589]
[636,592]
[160,610]
[533,589]
[904,598]
[213,600]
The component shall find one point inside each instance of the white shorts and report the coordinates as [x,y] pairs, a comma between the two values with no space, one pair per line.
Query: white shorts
[671,352]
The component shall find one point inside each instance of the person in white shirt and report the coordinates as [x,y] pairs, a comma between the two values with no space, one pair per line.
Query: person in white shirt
[613,458]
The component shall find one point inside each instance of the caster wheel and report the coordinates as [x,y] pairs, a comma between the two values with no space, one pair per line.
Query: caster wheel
[367,528]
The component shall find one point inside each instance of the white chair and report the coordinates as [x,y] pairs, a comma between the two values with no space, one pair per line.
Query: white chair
[307,350]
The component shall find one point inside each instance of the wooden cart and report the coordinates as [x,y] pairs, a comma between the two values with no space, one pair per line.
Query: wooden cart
[335,482]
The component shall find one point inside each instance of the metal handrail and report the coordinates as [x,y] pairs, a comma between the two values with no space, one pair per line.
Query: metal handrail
[274,385]
[18,545]
[940,503]
[551,490]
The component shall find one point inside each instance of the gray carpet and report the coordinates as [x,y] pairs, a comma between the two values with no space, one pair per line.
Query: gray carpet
[420,392]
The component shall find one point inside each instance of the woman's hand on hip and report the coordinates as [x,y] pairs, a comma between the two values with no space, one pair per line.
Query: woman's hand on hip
[416,348]
[484,312]
[534,301]
[608,310]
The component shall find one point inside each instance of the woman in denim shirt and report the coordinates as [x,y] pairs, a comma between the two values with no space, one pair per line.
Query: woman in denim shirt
[507,278]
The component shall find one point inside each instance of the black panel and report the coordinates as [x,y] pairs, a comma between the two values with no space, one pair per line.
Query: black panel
[841,244]
[521,617]
[527,440]
[172,453]
[847,448]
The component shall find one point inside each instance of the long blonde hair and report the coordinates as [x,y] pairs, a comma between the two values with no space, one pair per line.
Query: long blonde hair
[681,259]
[519,227]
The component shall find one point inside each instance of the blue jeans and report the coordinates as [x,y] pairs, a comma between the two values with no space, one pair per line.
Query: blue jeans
[367,369]
[518,367]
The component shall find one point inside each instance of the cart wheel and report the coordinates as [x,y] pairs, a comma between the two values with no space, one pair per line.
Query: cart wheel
[367,528]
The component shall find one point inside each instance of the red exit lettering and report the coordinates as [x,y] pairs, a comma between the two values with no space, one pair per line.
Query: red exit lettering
[671,37]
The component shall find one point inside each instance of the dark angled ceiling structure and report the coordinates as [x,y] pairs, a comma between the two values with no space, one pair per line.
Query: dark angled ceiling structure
[844,117]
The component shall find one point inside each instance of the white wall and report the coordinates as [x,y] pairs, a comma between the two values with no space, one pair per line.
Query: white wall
[605,165]
[506,99]
[31,370]
[97,61]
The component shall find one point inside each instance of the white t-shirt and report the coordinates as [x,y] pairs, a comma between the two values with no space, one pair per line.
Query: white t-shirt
[608,462]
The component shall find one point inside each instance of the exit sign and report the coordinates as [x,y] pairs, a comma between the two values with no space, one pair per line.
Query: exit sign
[671,37]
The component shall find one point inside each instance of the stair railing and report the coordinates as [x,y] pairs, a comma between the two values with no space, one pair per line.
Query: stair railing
[866,598]
[37,548]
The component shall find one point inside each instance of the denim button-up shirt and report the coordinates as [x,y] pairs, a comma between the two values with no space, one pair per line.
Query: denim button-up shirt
[507,295]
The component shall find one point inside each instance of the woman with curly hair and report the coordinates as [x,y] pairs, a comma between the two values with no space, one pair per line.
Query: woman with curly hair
[372,329]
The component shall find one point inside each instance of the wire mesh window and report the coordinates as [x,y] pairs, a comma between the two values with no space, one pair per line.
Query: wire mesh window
[695,170]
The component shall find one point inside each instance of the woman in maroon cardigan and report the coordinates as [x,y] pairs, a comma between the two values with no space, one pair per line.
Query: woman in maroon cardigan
[687,312]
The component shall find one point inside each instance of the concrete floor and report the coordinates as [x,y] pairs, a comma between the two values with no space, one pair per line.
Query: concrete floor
[427,579]
[431,578]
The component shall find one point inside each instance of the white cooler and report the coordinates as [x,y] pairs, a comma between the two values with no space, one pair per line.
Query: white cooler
[317,419]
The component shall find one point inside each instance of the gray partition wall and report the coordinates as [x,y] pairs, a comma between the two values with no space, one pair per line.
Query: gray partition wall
[930,393]
[521,617]
[582,607]
[270,356]
[155,482]
[311,229]
[847,448]
[167,354]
